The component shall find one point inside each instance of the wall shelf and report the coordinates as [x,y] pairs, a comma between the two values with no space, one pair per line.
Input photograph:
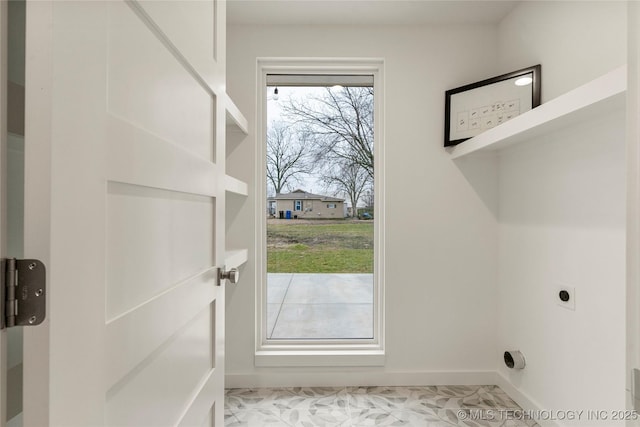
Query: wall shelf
[237,129]
[236,122]
[234,185]
[235,258]
[598,97]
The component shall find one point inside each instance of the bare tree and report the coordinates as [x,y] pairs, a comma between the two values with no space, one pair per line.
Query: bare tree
[368,197]
[287,156]
[341,124]
[350,179]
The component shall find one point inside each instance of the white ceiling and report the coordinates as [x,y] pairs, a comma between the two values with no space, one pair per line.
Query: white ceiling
[367,12]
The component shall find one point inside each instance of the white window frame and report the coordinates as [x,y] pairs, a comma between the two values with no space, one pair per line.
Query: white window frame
[332,352]
[297,205]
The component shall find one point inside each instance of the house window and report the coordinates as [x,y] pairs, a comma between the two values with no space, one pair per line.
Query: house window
[328,250]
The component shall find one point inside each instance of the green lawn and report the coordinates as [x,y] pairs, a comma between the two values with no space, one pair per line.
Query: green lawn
[320,247]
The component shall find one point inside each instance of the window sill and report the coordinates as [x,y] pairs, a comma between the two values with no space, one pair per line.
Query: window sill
[318,358]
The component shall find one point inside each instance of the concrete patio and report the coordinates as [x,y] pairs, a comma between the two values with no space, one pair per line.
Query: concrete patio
[319,306]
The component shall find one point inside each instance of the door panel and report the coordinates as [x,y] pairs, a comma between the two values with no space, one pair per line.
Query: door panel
[200,40]
[158,390]
[150,88]
[128,161]
[135,329]
[155,240]
[133,336]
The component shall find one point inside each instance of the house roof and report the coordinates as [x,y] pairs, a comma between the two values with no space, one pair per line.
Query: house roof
[303,195]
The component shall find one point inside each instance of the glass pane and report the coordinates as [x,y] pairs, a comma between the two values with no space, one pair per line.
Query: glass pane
[320,205]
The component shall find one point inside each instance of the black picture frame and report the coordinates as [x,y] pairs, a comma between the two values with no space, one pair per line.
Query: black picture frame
[479,106]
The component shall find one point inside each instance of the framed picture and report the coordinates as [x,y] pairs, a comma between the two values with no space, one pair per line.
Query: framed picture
[476,107]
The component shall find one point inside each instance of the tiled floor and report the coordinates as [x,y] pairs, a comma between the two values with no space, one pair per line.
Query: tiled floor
[442,406]
[316,306]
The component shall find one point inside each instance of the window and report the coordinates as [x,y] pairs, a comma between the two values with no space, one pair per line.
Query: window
[282,242]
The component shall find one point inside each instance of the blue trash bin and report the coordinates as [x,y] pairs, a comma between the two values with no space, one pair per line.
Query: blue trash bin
[288,214]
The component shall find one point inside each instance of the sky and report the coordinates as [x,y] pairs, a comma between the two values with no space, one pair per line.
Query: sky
[274,112]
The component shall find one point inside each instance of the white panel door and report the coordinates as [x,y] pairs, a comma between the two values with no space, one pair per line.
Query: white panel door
[125,166]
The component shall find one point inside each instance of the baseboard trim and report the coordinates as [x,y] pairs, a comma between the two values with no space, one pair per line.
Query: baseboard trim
[523,400]
[342,378]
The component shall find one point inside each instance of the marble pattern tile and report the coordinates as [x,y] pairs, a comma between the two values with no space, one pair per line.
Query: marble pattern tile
[434,406]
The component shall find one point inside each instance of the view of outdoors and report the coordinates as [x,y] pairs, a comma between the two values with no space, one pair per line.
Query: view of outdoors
[320,208]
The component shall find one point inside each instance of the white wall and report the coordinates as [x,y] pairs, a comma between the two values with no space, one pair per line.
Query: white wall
[562,216]
[633,205]
[575,41]
[441,231]
[562,221]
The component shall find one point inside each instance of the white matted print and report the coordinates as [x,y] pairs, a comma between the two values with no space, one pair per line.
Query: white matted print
[475,108]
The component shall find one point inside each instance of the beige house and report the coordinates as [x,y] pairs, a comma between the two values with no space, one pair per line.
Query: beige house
[301,204]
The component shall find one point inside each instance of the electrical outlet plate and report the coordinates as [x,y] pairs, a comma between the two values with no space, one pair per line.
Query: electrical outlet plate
[569,305]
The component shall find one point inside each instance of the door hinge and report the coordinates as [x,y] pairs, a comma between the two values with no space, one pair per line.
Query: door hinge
[23,291]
